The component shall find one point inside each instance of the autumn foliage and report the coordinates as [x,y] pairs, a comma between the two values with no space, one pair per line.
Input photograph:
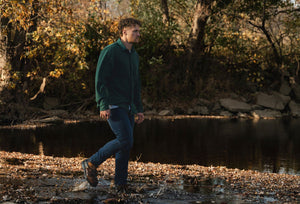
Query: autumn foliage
[188,48]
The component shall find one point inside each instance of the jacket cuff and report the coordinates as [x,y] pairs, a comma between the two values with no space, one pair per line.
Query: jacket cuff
[103,106]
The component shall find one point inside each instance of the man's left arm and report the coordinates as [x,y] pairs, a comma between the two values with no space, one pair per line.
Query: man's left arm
[137,99]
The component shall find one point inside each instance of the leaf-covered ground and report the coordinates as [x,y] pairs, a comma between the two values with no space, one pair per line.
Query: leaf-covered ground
[26,178]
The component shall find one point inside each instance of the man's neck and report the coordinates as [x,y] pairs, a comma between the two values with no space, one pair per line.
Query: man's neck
[126,44]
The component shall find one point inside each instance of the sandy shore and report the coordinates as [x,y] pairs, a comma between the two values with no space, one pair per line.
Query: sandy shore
[45,179]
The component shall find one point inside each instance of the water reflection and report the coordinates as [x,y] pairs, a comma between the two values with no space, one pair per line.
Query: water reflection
[264,145]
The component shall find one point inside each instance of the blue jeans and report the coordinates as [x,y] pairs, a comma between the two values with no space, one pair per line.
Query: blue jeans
[121,122]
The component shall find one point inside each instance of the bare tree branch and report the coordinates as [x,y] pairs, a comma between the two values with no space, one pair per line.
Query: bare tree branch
[42,88]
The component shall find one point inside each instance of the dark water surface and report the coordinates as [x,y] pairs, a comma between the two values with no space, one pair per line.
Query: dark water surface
[264,145]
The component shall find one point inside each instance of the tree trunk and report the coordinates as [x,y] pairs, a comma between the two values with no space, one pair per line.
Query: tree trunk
[277,56]
[15,47]
[3,72]
[166,21]
[262,27]
[165,11]
[196,43]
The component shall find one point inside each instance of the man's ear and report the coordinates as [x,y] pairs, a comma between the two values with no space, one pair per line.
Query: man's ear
[124,32]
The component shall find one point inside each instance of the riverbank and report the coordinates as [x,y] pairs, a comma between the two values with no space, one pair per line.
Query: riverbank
[260,105]
[46,179]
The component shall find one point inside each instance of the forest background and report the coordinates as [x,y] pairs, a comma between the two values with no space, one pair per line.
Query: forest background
[189,49]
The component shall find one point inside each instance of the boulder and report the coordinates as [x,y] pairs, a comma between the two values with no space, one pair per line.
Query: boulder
[235,105]
[295,109]
[285,99]
[275,101]
[267,113]
[216,107]
[296,91]
[199,110]
[190,111]
[285,89]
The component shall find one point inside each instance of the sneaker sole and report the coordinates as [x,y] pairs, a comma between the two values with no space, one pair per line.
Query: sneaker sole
[84,167]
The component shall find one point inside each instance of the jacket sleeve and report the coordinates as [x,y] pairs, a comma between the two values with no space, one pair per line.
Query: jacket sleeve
[103,73]
[137,95]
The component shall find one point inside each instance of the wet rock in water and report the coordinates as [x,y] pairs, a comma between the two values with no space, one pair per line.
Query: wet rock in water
[81,186]
[165,113]
[52,120]
[267,113]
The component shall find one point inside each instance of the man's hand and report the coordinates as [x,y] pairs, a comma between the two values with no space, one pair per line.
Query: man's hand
[140,118]
[105,114]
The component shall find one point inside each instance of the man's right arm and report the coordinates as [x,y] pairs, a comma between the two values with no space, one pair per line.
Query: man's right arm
[102,76]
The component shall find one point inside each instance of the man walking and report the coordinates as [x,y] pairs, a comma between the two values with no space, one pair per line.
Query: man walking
[118,96]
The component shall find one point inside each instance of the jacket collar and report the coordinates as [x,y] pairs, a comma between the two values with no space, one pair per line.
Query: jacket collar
[119,42]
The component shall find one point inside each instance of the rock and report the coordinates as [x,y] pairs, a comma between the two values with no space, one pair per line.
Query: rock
[267,113]
[296,91]
[216,107]
[285,89]
[53,120]
[257,107]
[199,110]
[255,115]
[81,187]
[295,109]
[234,96]
[50,102]
[235,105]
[202,101]
[190,111]
[179,111]
[276,101]
[242,115]
[285,99]
[165,113]
[225,113]
[150,112]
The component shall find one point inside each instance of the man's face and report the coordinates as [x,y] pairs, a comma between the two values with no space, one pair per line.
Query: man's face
[132,34]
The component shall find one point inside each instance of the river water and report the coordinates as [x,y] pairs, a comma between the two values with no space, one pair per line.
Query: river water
[263,145]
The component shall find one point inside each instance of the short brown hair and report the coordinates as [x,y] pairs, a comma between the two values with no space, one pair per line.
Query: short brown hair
[127,22]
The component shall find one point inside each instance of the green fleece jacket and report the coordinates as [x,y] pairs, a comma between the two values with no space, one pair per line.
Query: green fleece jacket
[117,79]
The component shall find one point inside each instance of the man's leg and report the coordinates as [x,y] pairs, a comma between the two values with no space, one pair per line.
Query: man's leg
[121,124]
[122,156]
